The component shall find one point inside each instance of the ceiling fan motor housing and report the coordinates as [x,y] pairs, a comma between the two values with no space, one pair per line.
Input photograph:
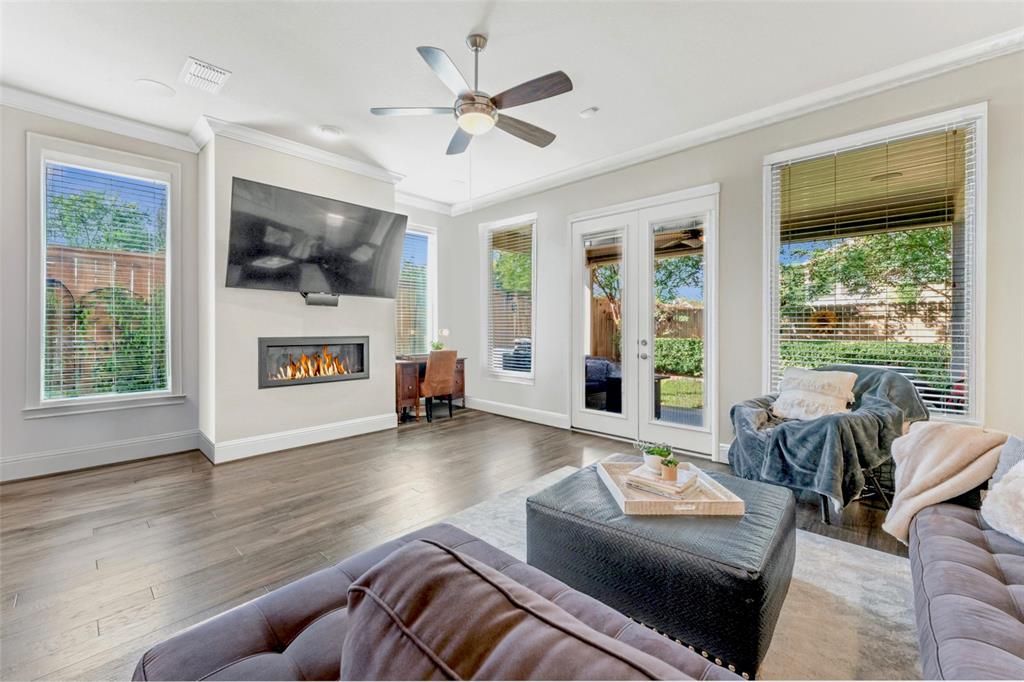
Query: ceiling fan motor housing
[475,103]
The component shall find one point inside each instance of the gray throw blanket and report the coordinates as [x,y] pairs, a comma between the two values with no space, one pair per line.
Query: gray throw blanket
[826,455]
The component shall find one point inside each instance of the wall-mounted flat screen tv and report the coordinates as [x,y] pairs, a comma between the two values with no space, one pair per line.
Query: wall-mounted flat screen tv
[290,241]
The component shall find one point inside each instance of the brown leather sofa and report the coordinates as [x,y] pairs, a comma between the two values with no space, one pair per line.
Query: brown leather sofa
[435,603]
[968,596]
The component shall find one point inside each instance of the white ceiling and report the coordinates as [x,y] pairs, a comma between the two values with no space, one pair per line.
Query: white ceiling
[655,69]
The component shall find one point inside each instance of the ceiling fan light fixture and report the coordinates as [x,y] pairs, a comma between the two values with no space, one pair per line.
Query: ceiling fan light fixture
[475,114]
[476,122]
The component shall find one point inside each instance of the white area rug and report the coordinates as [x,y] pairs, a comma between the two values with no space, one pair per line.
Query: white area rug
[849,613]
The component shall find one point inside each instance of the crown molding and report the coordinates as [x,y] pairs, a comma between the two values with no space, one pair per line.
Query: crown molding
[93,118]
[207,126]
[416,201]
[903,74]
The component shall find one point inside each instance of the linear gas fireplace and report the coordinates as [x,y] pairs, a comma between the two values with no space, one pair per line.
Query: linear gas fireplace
[290,361]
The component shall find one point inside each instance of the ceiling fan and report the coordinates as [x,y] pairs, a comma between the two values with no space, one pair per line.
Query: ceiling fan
[475,111]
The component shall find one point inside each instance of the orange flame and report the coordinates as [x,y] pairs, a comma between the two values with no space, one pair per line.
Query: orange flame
[321,364]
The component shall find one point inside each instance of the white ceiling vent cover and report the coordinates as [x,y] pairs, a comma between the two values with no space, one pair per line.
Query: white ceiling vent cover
[203,75]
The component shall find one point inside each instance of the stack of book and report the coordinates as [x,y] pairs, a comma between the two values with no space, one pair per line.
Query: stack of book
[644,479]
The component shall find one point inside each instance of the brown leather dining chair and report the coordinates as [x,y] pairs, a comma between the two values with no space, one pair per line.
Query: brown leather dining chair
[438,380]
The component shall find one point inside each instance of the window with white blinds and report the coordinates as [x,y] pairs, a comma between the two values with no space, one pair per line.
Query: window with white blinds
[414,301]
[105,303]
[874,262]
[509,255]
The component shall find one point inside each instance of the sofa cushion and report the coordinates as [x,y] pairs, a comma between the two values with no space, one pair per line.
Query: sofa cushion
[968,596]
[429,612]
[597,369]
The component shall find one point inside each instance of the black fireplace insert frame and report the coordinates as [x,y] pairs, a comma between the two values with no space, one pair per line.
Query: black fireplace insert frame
[266,342]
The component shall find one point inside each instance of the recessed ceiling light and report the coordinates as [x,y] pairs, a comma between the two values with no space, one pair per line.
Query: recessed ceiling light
[589,112]
[329,132]
[154,88]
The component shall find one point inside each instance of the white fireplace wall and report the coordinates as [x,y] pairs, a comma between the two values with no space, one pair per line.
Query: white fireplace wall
[238,419]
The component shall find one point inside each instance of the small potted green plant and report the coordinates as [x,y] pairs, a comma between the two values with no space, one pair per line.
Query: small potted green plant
[670,468]
[653,454]
[438,344]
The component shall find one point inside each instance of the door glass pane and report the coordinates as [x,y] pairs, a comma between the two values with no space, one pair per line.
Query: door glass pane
[679,321]
[602,321]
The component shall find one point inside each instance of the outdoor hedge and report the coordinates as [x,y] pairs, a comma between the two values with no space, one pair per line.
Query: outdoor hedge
[686,356]
[679,356]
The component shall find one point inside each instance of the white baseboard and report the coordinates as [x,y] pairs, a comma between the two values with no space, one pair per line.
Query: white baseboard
[240,448]
[205,445]
[113,452]
[556,419]
[723,453]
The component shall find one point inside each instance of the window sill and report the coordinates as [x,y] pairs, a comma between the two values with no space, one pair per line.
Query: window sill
[511,378]
[65,408]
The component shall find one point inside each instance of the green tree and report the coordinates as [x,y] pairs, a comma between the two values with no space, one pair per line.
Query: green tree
[94,220]
[513,271]
[670,275]
[908,262]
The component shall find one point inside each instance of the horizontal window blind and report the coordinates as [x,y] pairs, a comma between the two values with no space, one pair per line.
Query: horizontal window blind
[412,301]
[510,299]
[875,262]
[105,306]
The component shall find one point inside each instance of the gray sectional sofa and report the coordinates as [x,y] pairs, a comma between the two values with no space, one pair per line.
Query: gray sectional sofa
[968,595]
[435,604]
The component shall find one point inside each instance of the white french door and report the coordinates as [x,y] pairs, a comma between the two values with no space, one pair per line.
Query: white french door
[644,319]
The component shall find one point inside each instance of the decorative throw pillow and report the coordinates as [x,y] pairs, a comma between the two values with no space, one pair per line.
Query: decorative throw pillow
[809,394]
[1003,508]
[1011,455]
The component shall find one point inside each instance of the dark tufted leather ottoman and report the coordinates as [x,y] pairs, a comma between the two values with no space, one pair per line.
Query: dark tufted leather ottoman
[968,595]
[715,583]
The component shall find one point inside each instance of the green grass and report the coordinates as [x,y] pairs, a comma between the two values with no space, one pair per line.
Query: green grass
[682,392]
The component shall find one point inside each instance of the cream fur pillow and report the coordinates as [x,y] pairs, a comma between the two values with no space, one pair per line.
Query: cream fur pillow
[1003,508]
[808,394]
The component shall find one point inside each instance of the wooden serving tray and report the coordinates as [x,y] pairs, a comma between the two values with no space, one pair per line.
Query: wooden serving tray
[707,497]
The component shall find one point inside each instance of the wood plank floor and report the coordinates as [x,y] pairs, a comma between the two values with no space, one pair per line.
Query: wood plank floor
[96,566]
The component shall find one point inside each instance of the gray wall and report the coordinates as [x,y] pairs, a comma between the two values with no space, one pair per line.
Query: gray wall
[35,446]
[736,163]
[234,408]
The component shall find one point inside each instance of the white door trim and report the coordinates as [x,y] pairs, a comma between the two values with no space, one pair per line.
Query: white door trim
[710,189]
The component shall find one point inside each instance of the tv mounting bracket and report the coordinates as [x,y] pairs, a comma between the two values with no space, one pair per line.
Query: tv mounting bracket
[320,298]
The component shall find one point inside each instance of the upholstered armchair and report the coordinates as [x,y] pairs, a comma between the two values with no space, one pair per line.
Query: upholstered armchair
[834,455]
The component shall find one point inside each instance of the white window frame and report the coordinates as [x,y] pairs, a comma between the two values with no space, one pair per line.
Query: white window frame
[431,234]
[485,229]
[976,114]
[42,149]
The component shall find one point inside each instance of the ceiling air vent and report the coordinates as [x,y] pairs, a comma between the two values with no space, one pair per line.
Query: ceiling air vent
[203,75]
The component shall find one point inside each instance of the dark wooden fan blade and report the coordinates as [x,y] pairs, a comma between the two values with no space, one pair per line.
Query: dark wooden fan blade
[411,111]
[442,65]
[460,140]
[525,131]
[531,91]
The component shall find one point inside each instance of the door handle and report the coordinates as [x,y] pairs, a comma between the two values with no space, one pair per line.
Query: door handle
[643,356]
